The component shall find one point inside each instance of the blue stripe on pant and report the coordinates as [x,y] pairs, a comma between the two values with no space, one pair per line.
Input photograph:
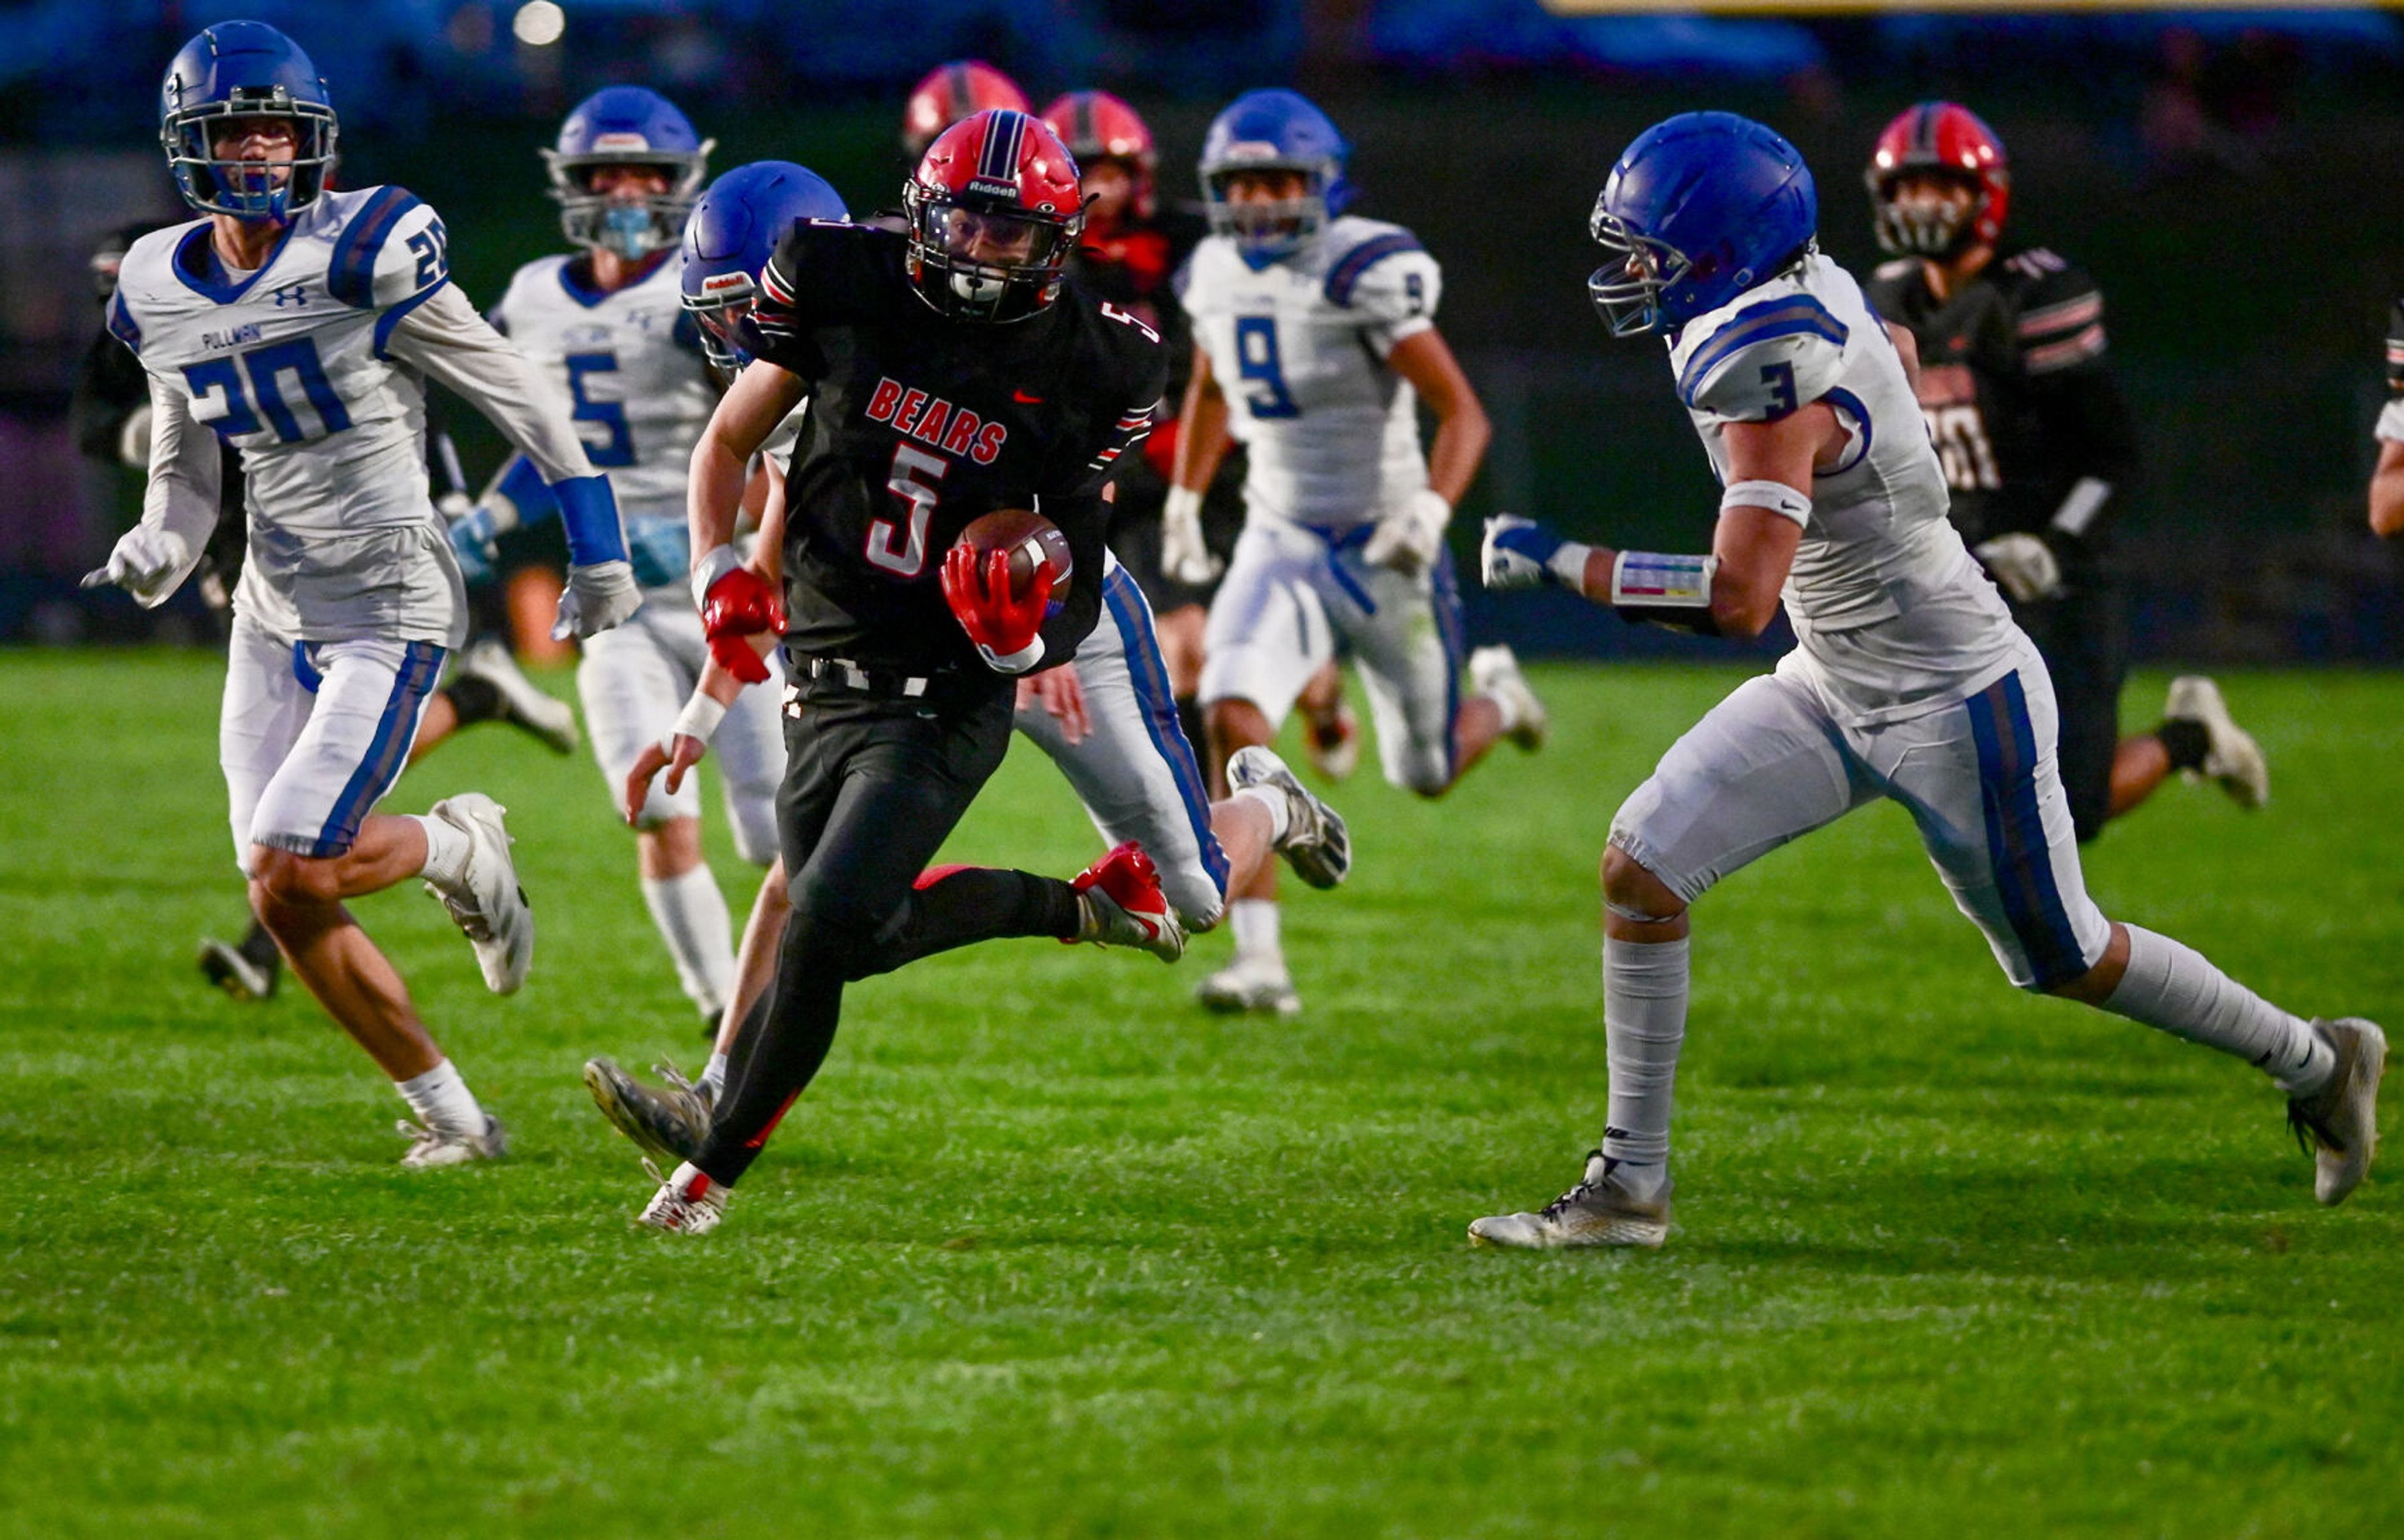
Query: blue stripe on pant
[1150,675]
[2017,847]
[421,664]
[1452,629]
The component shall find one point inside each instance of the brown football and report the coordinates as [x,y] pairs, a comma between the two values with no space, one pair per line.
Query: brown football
[1029,537]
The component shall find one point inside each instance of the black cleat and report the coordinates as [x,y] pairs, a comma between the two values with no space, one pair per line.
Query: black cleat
[667,1123]
[225,965]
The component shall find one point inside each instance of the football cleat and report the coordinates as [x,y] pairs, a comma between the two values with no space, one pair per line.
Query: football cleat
[1120,904]
[1600,1210]
[1249,984]
[490,908]
[224,965]
[2232,757]
[1494,672]
[687,1203]
[429,1146]
[548,718]
[2339,1124]
[1317,845]
[669,1123]
[1333,742]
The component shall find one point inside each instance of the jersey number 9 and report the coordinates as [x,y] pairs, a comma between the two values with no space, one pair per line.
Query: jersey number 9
[1256,360]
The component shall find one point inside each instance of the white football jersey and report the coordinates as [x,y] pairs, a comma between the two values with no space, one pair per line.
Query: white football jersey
[1891,612]
[1299,348]
[289,365]
[631,362]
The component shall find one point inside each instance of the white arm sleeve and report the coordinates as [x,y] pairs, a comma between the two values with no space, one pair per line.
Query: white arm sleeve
[187,478]
[444,337]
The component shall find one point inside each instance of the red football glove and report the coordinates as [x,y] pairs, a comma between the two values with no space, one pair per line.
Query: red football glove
[738,604]
[1002,628]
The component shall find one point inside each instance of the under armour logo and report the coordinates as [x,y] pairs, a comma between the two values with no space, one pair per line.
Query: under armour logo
[291,294]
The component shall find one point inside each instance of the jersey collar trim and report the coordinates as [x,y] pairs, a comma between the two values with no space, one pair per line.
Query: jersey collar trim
[211,282]
[588,295]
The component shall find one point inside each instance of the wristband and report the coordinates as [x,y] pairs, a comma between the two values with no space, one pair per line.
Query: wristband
[1012,663]
[1643,579]
[698,719]
[1567,564]
[1183,503]
[715,562]
[1776,497]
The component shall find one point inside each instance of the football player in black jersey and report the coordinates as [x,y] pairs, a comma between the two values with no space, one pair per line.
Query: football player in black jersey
[2387,482]
[2038,450]
[950,372]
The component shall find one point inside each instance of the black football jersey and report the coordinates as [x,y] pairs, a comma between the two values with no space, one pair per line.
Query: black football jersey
[1133,268]
[2396,354]
[2019,399]
[917,424]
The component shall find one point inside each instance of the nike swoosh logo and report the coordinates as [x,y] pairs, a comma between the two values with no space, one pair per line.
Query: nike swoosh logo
[1022,398]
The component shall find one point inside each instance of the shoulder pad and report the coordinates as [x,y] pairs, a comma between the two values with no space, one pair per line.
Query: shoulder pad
[390,248]
[121,324]
[2060,319]
[1348,271]
[820,261]
[1768,359]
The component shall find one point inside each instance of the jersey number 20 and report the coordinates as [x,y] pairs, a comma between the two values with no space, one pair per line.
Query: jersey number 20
[298,358]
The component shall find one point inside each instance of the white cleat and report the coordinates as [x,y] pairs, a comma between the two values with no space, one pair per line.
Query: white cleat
[2340,1123]
[429,1147]
[1600,1210]
[490,906]
[687,1203]
[1334,743]
[548,718]
[1245,984]
[1316,844]
[2231,756]
[1494,672]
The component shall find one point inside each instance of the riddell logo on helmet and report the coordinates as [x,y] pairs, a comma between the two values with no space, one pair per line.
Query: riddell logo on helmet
[619,141]
[990,188]
[935,422]
[717,282]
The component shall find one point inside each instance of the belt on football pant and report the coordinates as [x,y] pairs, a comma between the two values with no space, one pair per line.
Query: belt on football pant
[867,679]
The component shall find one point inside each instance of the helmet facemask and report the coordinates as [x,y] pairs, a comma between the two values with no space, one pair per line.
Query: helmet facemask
[1266,229]
[270,190]
[1925,226]
[986,258]
[1627,290]
[634,228]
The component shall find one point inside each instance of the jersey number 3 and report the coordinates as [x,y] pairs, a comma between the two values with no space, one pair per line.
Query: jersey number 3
[909,464]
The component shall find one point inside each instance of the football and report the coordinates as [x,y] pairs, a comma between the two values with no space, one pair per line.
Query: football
[1029,537]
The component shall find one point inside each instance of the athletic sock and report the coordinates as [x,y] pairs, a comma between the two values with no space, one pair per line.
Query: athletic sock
[2187,741]
[713,1076]
[260,947]
[691,916]
[442,1101]
[1255,924]
[475,699]
[1280,811]
[2175,987]
[446,852]
[1644,1026]
[1507,707]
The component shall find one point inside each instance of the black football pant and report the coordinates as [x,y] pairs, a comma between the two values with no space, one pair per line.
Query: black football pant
[2084,640]
[872,789]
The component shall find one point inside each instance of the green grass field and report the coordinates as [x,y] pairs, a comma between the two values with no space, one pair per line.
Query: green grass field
[1046,1250]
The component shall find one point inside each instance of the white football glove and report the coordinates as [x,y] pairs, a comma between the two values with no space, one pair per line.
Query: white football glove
[597,598]
[1409,539]
[2023,565]
[147,561]
[1184,557]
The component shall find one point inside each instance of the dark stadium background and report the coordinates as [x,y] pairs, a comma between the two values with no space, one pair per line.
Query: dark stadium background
[2235,180]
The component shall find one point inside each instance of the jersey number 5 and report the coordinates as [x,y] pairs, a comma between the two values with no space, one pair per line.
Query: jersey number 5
[908,466]
[611,415]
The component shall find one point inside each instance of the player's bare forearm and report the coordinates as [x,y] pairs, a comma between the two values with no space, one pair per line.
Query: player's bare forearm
[1202,428]
[760,398]
[2387,491]
[1463,431]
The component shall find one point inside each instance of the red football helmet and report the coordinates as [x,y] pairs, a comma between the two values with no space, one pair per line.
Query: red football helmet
[1949,139]
[994,211]
[1099,126]
[950,92]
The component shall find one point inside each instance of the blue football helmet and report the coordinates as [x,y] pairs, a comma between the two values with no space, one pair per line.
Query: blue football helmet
[625,126]
[1274,131]
[732,232]
[1701,207]
[245,69]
